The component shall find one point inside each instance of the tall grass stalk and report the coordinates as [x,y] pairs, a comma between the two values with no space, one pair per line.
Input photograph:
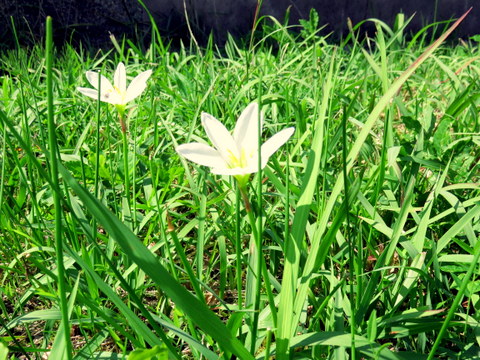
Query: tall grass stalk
[53,150]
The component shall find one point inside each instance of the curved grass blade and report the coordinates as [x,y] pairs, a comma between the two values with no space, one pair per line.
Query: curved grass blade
[340,339]
[54,162]
[139,254]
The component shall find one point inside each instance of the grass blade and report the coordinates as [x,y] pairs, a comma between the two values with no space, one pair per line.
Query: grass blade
[146,261]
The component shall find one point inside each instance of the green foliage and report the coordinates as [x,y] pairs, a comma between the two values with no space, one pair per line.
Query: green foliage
[156,353]
[364,227]
[475,38]
[3,351]
[310,26]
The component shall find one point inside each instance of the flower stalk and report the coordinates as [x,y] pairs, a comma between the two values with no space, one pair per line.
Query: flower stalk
[119,95]
[240,154]
[126,173]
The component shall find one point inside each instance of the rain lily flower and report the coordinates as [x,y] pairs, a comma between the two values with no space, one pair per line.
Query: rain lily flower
[235,155]
[117,94]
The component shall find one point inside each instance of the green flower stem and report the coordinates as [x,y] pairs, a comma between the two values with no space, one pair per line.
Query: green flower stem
[255,264]
[52,144]
[126,212]
[238,249]
[260,267]
[97,145]
[123,126]
[134,177]
[121,118]
[97,157]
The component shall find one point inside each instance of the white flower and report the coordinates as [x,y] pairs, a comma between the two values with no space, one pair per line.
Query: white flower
[118,93]
[235,155]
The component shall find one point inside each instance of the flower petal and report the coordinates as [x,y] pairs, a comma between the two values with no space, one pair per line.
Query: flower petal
[112,97]
[201,154]
[89,92]
[137,85]
[220,137]
[120,78]
[246,130]
[105,84]
[274,143]
[233,171]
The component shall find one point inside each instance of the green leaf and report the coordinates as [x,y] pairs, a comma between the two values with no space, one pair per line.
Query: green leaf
[156,353]
[362,345]
[3,351]
[475,38]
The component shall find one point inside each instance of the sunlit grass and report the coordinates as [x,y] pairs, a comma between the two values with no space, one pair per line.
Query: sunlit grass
[368,217]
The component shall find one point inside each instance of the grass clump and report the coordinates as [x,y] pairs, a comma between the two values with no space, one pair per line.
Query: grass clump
[366,221]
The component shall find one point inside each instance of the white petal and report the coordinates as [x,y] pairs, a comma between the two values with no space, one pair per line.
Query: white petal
[274,143]
[105,85]
[201,154]
[120,78]
[112,97]
[220,137]
[233,171]
[137,85]
[89,92]
[246,130]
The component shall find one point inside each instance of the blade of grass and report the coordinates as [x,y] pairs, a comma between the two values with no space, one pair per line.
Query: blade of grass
[139,254]
[293,245]
[364,346]
[59,346]
[52,140]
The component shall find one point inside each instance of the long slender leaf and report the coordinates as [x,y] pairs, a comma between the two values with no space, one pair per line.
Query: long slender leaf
[146,261]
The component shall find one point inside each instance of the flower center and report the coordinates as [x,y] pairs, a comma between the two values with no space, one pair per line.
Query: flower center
[241,162]
[120,93]
[107,94]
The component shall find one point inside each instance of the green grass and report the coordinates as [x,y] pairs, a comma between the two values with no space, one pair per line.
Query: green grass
[368,218]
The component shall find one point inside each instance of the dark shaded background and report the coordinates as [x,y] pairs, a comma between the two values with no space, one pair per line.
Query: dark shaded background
[91,21]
